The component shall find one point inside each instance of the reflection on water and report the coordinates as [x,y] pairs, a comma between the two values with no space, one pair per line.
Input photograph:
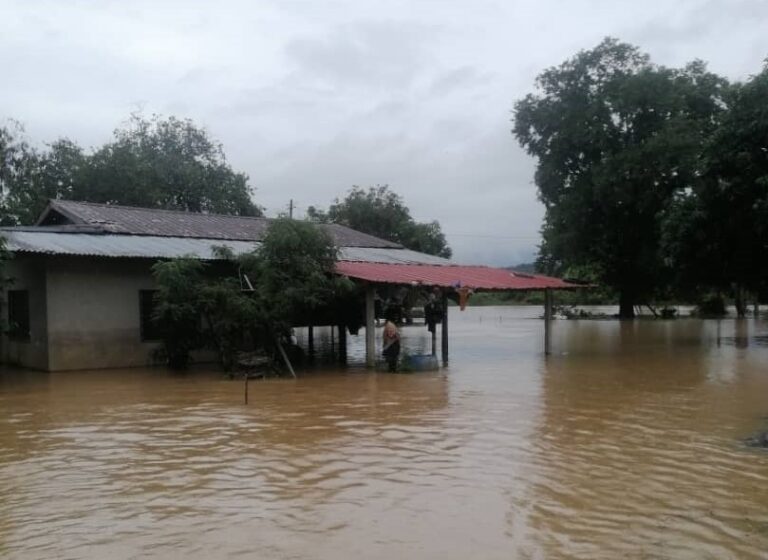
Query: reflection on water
[627,441]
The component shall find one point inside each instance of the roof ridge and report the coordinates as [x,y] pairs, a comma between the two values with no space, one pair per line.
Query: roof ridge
[138,220]
[167,210]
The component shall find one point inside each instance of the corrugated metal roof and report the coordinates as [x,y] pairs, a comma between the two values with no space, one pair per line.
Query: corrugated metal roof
[391,256]
[476,277]
[172,223]
[34,240]
[381,265]
[144,246]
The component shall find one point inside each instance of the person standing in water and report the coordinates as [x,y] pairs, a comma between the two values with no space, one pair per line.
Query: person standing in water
[391,346]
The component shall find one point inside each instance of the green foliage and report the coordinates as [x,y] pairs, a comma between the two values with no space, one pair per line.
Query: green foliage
[19,164]
[381,212]
[54,173]
[294,273]
[711,305]
[155,163]
[616,137]
[716,234]
[292,279]
[167,163]
[177,312]
[592,296]
[231,315]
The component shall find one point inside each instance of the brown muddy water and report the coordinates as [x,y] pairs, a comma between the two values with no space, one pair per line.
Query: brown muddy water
[628,442]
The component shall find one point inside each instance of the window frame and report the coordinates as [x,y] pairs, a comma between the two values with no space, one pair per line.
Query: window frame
[148,331]
[19,331]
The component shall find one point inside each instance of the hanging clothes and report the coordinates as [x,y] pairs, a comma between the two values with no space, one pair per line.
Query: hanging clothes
[433,312]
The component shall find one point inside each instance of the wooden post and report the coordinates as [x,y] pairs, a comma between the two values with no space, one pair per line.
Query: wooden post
[434,342]
[246,387]
[547,321]
[444,332]
[285,358]
[311,341]
[370,330]
[343,344]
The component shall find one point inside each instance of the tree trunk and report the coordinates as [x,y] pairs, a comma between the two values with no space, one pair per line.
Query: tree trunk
[740,302]
[626,305]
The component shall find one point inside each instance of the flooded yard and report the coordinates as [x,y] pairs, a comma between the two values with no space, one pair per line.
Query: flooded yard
[627,441]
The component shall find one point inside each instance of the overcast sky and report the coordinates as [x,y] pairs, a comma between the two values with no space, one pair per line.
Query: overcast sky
[312,97]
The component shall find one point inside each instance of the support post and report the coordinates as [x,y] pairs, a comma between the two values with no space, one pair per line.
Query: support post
[370,330]
[434,342]
[343,344]
[311,341]
[285,358]
[444,331]
[547,321]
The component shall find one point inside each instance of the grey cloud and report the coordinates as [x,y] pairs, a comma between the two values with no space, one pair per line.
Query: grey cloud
[310,98]
[369,54]
[458,78]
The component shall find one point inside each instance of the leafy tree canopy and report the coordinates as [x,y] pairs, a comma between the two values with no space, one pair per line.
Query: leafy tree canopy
[716,234]
[615,136]
[381,212]
[260,295]
[151,162]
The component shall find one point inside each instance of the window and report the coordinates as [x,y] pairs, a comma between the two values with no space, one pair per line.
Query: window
[18,315]
[149,330]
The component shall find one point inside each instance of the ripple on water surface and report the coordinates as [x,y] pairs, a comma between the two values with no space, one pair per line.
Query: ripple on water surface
[625,442]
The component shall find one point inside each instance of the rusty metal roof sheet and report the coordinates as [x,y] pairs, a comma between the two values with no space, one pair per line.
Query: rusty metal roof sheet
[109,218]
[475,277]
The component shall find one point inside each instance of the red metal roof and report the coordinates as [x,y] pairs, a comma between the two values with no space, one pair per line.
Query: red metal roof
[475,277]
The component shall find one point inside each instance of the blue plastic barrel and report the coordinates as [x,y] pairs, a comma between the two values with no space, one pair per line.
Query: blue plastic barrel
[423,362]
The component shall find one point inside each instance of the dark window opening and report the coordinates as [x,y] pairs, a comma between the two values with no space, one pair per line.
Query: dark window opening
[18,315]
[149,329]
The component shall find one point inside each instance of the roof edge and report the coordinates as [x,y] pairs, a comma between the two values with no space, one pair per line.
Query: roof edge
[53,207]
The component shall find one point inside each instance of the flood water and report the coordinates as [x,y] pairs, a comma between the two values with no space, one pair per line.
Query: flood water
[627,442]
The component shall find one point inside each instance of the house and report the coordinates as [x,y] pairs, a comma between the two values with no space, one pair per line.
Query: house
[81,296]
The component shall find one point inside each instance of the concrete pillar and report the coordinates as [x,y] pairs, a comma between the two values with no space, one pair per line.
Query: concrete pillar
[444,331]
[547,321]
[370,329]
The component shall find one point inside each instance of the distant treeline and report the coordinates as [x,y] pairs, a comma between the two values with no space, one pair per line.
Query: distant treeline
[654,180]
[171,163]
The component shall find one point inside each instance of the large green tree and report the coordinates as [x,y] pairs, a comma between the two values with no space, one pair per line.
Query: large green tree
[381,212]
[56,172]
[19,164]
[716,234]
[153,162]
[615,137]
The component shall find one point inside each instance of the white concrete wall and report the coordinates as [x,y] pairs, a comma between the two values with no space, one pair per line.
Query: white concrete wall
[93,313]
[28,273]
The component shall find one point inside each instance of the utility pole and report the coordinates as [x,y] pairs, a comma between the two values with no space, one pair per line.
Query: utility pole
[290,209]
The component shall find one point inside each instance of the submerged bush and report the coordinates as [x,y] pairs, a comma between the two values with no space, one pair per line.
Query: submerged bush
[711,305]
[177,310]
[252,300]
